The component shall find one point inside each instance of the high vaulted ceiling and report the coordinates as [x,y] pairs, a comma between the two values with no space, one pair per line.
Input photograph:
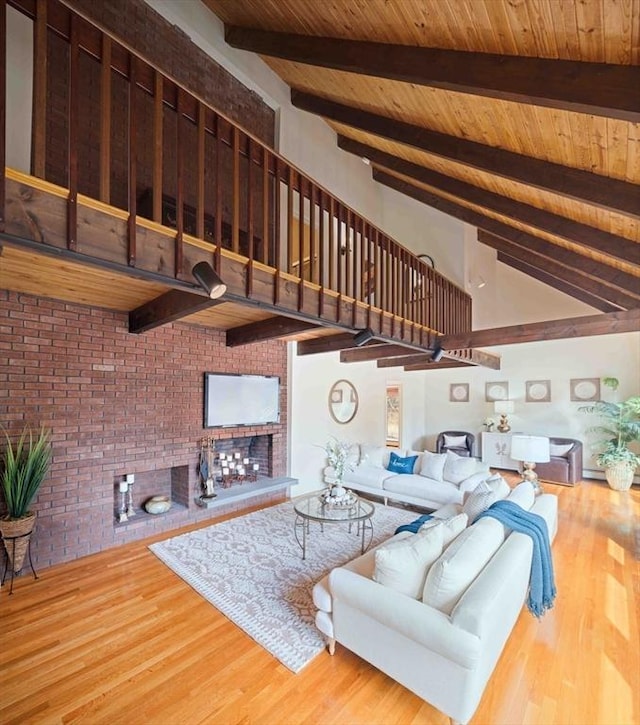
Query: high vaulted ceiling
[520,117]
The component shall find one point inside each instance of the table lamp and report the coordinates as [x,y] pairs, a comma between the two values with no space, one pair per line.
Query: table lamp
[530,450]
[503,408]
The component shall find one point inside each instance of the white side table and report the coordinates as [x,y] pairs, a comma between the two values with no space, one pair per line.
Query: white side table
[496,448]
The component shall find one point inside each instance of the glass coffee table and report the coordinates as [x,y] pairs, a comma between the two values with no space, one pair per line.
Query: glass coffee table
[313,508]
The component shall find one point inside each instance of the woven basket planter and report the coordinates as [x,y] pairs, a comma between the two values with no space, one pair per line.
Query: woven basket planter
[619,476]
[17,547]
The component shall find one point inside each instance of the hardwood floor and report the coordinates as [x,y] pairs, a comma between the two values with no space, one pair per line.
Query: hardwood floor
[118,638]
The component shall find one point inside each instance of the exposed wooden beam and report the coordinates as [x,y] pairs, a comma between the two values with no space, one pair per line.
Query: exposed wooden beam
[169,307]
[330,343]
[558,284]
[261,330]
[599,89]
[442,365]
[475,357]
[583,186]
[568,229]
[573,276]
[362,354]
[568,328]
[518,238]
[420,359]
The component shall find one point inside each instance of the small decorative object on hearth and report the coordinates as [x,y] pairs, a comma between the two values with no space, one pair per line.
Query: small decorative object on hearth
[130,479]
[25,464]
[621,427]
[123,487]
[207,467]
[158,505]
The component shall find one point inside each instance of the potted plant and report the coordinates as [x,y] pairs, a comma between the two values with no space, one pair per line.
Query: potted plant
[24,465]
[621,426]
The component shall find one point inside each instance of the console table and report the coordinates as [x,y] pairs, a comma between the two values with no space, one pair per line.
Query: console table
[496,450]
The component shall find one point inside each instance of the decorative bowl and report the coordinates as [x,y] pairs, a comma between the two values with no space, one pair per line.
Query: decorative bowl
[158,505]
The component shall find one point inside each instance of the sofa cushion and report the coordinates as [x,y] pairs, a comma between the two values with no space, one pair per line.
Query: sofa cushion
[460,563]
[523,494]
[425,488]
[455,441]
[402,565]
[457,468]
[499,485]
[375,456]
[401,465]
[478,501]
[433,465]
[367,476]
[451,527]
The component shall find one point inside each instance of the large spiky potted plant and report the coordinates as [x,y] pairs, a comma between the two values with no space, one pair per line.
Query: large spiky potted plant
[25,463]
[621,426]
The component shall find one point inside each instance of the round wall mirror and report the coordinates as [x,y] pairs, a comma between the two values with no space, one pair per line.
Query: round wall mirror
[343,401]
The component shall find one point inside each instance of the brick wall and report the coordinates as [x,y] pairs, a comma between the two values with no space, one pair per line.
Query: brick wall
[116,403]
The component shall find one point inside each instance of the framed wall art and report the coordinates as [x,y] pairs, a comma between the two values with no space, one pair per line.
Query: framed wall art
[584,390]
[537,391]
[496,391]
[459,393]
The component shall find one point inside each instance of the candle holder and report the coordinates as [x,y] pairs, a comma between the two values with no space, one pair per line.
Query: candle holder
[122,514]
[130,481]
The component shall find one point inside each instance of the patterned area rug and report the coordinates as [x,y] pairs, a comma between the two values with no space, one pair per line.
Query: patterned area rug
[251,569]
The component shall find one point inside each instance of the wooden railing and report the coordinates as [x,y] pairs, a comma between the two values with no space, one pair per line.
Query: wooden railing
[136,140]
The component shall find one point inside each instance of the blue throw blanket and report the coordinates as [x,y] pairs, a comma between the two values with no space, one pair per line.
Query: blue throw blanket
[542,589]
[414,526]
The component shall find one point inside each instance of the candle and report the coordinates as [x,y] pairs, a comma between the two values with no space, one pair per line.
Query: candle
[245,461]
[232,465]
[236,456]
[130,478]
[256,466]
[123,486]
[225,471]
[241,471]
[223,456]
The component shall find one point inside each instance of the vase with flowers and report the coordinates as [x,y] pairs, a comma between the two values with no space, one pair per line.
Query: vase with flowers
[339,458]
[489,424]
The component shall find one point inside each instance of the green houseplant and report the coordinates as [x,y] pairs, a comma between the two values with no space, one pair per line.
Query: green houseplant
[621,426]
[25,464]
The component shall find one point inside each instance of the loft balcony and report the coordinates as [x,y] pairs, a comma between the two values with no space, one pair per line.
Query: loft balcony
[133,181]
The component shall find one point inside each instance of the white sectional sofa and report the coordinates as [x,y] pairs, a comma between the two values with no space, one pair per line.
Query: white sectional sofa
[444,644]
[436,479]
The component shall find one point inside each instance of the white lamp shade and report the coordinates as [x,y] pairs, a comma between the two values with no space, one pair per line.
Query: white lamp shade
[531,449]
[503,406]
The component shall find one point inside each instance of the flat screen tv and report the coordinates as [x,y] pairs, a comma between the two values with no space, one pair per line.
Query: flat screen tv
[233,400]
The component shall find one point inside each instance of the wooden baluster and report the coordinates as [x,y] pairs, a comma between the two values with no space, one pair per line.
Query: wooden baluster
[105,121]
[312,232]
[322,231]
[333,256]
[40,65]
[72,120]
[3,114]
[341,261]
[200,233]
[158,141]
[218,194]
[250,220]
[264,256]
[355,268]
[278,232]
[290,246]
[301,255]
[235,230]
[131,222]
[180,183]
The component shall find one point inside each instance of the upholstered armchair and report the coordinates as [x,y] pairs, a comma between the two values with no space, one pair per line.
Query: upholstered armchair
[456,441]
[565,464]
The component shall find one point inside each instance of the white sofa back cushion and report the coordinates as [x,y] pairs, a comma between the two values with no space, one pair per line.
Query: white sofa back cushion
[457,468]
[460,563]
[433,465]
[450,527]
[403,565]
[376,456]
[499,486]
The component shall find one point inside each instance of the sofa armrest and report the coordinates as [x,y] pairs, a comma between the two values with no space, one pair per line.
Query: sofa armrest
[410,617]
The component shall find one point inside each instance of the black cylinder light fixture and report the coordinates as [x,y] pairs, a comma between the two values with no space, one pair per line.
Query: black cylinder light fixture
[208,279]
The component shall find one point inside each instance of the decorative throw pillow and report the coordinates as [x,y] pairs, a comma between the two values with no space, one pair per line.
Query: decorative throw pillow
[559,450]
[433,465]
[523,494]
[451,527]
[478,501]
[455,441]
[372,456]
[401,465]
[457,468]
[499,485]
[403,565]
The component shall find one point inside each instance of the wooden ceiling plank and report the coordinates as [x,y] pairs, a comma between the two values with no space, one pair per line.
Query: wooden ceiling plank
[612,194]
[415,359]
[475,357]
[599,89]
[499,229]
[585,265]
[555,269]
[442,365]
[169,307]
[568,229]
[261,330]
[560,285]
[564,329]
